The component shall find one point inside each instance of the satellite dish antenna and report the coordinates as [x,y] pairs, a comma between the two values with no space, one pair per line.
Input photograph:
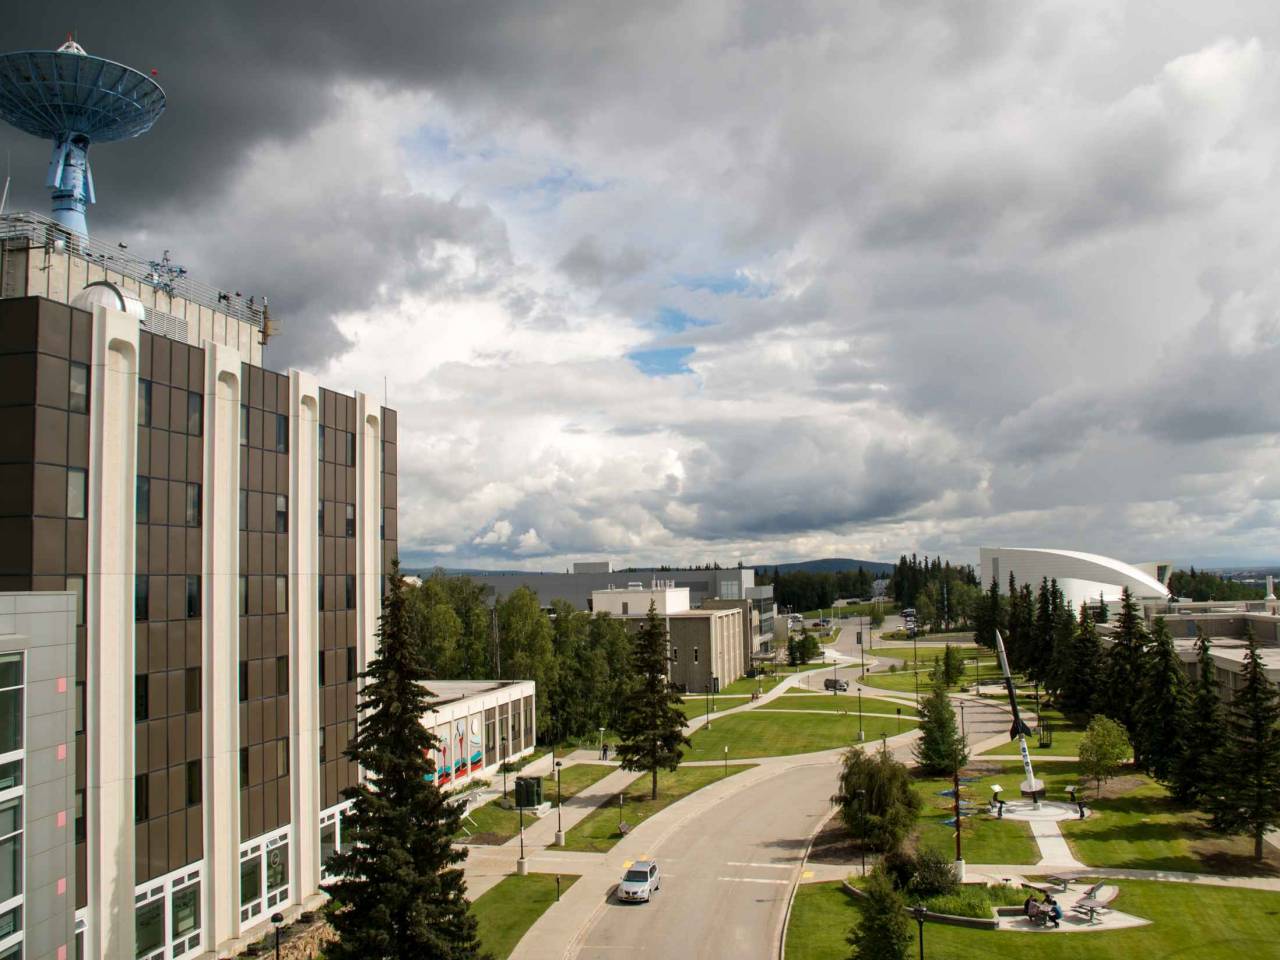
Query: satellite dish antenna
[75,100]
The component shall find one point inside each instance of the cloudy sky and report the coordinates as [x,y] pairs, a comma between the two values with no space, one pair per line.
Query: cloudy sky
[672,282]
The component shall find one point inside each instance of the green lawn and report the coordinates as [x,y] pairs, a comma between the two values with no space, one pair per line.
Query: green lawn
[904,681]
[598,831]
[926,653]
[759,733]
[695,706]
[985,839]
[506,911]
[494,824]
[807,700]
[1066,735]
[1188,921]
[749,684]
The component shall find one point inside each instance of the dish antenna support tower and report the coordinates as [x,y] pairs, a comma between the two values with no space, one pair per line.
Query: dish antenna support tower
[75,100]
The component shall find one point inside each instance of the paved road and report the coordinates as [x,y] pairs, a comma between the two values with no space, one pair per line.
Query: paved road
[728,875]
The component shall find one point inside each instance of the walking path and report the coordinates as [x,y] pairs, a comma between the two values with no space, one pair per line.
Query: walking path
[1054,850]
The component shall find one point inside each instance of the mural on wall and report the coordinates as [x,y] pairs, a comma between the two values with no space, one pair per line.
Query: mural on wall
[460,748]
[477,744]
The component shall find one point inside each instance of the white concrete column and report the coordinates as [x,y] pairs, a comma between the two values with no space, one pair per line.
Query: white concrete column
[304,630]
[368,524]
[113,470]
[223,391]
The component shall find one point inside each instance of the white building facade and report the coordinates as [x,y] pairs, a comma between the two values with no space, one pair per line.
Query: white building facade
[1082,577]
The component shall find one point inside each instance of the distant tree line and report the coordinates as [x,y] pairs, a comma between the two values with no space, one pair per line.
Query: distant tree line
[1199,585]
[804,590]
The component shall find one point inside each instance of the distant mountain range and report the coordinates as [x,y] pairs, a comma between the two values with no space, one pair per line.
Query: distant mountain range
[829,565]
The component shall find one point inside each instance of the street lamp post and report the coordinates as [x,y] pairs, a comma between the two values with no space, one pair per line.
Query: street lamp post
[861,733]
[707,702]
[963,735]
[522,865]
[276,920]
[919,911]
[726,759]
[504,766]
[559,821]
[915,662]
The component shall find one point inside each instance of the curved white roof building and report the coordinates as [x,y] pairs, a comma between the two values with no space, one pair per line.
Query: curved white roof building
[1082,577]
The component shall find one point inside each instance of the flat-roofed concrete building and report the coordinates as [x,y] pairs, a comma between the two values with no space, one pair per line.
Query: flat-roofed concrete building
[1083,578]
[705,646]
[480,725]
[228,529]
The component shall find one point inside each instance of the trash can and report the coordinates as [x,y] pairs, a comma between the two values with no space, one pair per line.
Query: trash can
[528,791]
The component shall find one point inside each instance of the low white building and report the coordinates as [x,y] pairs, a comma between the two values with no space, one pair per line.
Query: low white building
[1082,577]
[633,600]
[480,724]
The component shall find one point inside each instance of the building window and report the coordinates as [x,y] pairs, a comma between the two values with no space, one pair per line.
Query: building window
[278,863]
[675,654]
[695,654]
[10,848]
[244,509]
[195,414]
[141,597]
[195,783]
[282,675]
[282,433]
[244,680]
[193,691]
[626,608]
[320,518]
[193,596]
[282,594]
[351,449]
[80,702]
[141,795]
[193,504]
[351,664]
[10,703]
[144,403]
[244,423]
[250,880]
[142,501]
[80,828]
[185,911]
[77,492]
[282,757]
[141,698]
[244,766]
[75,584]
[328,840]
[351,519]
[149,927]
[320,591]
[320,443]
[350,584]
[320,667]
[322,744]
[282,513]
[78,399]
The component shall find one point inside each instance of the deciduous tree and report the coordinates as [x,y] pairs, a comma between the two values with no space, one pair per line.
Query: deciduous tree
[1103,748]
[877,802]
[884,931]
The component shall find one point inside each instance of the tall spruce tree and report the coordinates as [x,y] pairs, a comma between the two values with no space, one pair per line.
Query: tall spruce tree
[1246,796]
[1064,640]
[1038,654]
[1163,708]
[986,618]
[884,932]
[1202,742]
[1080,676]
[650,724]
[1124,667]
[941,750]
[399,894]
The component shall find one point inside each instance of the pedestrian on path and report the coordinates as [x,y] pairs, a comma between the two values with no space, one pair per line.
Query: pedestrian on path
[606,752]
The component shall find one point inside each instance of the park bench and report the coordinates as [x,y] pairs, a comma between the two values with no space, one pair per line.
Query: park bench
[1062,882]
[1089,905]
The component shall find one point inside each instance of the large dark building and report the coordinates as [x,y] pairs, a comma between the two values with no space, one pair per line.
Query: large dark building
[226,530]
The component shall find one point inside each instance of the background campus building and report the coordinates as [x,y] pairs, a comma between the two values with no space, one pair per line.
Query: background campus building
[1082,577]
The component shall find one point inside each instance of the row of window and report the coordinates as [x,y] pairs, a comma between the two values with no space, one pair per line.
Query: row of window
[282,513]
[348,590]
[142,597]
[142,502]
[281,429]
[142,694]
[142,790]
[351,666]
[195,408]
[348,440]
[282,678]
[282,762]
[349,527]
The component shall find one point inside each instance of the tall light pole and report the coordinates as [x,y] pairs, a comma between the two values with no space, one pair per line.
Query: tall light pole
[706,699]
[276,920]
[504,765]
[862,826]
[915,661]
[559,821]
[920,911]
[522,865]
[861,735]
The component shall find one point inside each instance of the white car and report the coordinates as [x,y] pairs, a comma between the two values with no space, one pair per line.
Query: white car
[641,881]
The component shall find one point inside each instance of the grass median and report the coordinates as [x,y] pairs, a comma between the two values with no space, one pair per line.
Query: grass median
[749,685]
[598,831]
[808,700]
[694,706]
[1187,920]
[1066,735]
[984,839]
[491,823]
[760,733]
[506,911]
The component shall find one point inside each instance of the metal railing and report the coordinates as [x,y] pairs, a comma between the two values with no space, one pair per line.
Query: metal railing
[40,231]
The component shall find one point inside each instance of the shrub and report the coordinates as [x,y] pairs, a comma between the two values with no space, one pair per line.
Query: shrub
[878,804]
[934,875]
[900,866]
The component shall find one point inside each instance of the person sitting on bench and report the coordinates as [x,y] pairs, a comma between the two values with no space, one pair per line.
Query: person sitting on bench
[1029,905]
[1052,908]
